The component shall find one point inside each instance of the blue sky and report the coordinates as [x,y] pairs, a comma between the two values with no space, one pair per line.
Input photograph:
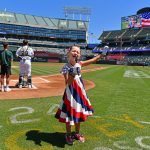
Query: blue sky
[105,14]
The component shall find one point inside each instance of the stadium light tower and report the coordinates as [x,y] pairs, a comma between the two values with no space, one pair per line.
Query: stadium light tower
[77,11]
[92,37]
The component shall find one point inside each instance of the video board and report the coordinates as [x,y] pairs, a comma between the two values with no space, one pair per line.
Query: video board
[136,21]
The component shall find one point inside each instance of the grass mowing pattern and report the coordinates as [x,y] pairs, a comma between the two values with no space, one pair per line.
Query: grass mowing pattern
[39,69]
[120,105]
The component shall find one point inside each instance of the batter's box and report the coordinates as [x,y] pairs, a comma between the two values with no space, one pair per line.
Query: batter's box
[40,80]
[36,80]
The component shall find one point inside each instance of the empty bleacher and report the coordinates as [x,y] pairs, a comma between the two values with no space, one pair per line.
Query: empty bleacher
[104,35]
[130,33]
[115,35]
[145,32]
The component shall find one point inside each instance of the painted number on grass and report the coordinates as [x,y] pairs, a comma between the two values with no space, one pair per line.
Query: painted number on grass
[140,141]
[51,111]
[124,145]
[135,74]
[29,110]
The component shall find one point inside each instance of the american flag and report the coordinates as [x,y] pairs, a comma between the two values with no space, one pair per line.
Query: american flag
[145,19]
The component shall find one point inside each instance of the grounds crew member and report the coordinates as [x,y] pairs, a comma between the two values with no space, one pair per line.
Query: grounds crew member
[25,54]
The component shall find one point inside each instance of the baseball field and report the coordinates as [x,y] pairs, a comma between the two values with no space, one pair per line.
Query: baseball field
[120,96]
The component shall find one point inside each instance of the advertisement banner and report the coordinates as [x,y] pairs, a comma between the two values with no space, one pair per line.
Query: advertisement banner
[43,54]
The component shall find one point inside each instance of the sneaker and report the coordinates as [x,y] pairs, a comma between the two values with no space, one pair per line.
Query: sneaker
[20,86]
[7,89]
[2,88]
[29,86]
[80,137]
[69,139]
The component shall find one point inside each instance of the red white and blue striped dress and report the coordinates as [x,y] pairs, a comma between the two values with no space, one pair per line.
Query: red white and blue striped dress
[75,106]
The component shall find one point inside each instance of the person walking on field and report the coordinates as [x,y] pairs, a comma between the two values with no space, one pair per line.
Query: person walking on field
[6,58]
[25,54]
[75,106]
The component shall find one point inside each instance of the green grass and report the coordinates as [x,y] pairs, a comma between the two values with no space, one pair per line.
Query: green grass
[39,68]
[120,105]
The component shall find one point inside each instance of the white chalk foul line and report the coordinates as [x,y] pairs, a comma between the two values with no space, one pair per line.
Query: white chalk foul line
[47,81]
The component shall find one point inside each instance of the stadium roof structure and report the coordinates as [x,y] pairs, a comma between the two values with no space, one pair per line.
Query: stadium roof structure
[143,10]
[39,21]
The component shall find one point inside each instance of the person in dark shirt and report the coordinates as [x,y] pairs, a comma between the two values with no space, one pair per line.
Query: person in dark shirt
[6,57]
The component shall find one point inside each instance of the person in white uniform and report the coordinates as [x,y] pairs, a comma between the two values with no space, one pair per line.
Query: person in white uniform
[25,54]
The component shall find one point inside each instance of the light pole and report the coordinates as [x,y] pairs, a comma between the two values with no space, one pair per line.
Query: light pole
[92,37]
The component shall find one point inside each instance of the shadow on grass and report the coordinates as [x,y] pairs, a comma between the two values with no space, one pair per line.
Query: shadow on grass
[55,139]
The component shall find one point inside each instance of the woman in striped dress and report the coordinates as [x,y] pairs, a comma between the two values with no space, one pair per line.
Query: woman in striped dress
[75,106]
